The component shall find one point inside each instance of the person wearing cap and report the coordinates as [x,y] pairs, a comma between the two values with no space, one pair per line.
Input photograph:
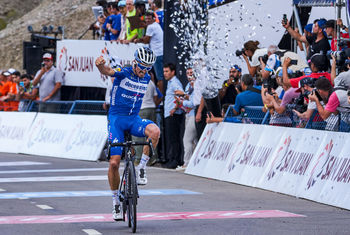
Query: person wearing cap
[154,37]
[332,33]
[7,83]
[228,92]
[318,41]
[318,64]
[50,80]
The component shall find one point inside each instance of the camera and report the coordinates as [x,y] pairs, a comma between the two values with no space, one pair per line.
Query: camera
[293,62]
[284,20]
[340,57]
[240,52]
[299,104]
[317,94]
[264,58]
[42,64]
[270,83]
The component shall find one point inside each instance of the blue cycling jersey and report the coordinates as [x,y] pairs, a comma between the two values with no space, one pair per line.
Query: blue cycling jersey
[127,92]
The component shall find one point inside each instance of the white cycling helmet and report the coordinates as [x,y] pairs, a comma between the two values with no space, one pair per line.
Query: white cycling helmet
[145,56]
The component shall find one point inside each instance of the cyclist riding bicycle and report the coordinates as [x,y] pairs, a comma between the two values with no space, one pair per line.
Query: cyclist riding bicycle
[129,87]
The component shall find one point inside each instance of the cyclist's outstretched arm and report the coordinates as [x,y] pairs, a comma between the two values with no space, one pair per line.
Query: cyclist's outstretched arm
[105,70]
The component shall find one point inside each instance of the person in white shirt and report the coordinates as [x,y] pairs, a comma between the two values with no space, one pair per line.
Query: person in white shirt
[154,37]
[252,52]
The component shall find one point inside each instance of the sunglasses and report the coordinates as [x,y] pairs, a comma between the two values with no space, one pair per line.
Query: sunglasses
[143,68]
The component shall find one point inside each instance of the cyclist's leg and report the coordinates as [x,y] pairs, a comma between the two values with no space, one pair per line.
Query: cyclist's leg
[142,128]
[115,135]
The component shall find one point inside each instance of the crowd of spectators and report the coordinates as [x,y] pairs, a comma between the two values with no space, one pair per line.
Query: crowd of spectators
[292,89]
[17,91]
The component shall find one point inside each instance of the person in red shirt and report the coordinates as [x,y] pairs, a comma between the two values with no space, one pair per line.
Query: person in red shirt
[331,32]
[318,64]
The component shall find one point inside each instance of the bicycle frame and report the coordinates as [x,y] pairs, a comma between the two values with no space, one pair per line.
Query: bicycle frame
[128,185]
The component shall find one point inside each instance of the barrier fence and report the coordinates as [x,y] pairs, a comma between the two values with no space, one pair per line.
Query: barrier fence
[64,107]
[256,115]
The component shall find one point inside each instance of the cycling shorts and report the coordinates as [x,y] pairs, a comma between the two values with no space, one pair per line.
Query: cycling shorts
[118,124]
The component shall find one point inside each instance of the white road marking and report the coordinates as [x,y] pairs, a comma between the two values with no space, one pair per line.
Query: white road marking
[91,232]
[54,178]
[53,170]
[23,163]
[2,190]
[44,207]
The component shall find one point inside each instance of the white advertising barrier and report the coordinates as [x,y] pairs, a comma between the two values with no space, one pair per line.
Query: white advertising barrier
[13,128]
[80,137]
[300,162]
[76,59]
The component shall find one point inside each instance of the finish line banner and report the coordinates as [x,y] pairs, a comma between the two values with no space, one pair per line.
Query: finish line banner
[301,162]
[76,59]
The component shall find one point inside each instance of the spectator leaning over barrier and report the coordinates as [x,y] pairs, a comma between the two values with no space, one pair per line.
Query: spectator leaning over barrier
[336,99]
[229,90]
[50,80]
[154,37]
[319,65]
[174,119]
[318,41]
[251,95]
[252,53]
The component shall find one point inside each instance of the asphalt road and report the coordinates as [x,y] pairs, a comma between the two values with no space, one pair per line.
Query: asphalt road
[43,195]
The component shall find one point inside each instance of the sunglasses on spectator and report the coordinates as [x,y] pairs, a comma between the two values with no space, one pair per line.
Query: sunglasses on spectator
[143,68]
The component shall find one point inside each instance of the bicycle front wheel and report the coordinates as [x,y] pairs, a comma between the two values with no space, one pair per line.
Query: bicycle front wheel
[132,197]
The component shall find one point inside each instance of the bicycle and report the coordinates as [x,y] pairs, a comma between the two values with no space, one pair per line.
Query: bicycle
[128,185]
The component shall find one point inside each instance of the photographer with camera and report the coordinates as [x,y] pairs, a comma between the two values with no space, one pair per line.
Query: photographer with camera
[251,52]
[273,104]
[276,58]
[303,107]
[336,100]
[318,42]
[280,108]
[318,64]
[229,90]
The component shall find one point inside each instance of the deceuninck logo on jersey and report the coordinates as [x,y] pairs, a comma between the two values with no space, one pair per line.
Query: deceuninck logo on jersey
[129,85]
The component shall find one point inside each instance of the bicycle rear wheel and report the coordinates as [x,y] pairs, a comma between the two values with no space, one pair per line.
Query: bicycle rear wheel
[132,197]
